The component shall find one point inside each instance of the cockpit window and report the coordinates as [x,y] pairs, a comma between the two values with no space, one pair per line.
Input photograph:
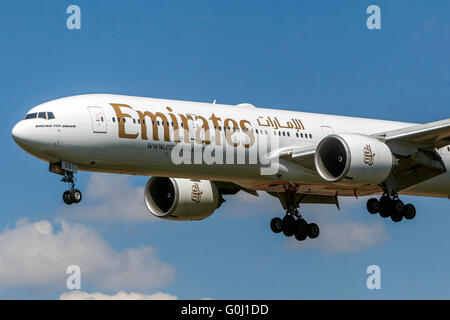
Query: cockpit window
[31,116]
[40,115]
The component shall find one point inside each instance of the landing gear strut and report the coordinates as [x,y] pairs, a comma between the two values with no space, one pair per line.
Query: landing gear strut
[390,205]
[72,195]
[293,223]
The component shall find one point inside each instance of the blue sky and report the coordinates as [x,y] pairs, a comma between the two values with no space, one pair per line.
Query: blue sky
[315,56]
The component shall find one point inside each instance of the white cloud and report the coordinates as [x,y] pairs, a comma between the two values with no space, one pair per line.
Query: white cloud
[121,295]
[111,198]
[345,237]
[34,256]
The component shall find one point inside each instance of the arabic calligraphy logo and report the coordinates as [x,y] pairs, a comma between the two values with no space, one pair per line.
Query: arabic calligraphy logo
[196,195]
[369,156]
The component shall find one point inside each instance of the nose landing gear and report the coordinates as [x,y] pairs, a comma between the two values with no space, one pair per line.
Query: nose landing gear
[67,170]
[72,195]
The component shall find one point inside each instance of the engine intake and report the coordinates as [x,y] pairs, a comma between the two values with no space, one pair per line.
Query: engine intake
[181,199]
[353,159]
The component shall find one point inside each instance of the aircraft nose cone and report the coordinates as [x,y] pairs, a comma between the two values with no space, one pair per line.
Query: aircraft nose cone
[19,134]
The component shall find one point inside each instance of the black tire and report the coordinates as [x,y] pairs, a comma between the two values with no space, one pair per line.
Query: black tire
[66,198]
[75,195]
[313,230]
[300,235]
[373,206]
[385,206]
[397,217]
[289,226]
[397,207]
[409,212]
[276,224]
[301,230]
[302,225]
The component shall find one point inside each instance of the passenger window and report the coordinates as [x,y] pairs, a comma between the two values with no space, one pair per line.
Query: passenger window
[42,115]
[50,115]
[114,119]
[102,119]
[310,136]
[123,120]
[31,116]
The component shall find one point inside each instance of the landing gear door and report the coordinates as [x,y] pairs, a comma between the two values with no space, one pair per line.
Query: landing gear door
[98,119]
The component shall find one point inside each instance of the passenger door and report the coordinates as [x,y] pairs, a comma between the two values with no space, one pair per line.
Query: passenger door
[98,119]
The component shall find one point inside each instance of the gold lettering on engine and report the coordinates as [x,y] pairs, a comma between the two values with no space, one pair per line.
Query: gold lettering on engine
[369,156]
[196,195]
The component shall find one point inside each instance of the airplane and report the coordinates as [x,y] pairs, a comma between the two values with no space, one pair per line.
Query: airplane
[195,153]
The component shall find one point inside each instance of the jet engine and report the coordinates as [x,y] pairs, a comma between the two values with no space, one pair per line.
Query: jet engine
[353,159]
[181,199]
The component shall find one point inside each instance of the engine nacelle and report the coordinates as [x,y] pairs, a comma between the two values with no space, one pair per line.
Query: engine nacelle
[181,199]
[353,159]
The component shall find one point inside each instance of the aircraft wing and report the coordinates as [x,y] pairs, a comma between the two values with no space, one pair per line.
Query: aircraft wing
[414,146]
[416,151]
[424,136]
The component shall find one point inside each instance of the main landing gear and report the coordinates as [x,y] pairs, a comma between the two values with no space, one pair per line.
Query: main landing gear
[72,195]
[391,206]
[293,223]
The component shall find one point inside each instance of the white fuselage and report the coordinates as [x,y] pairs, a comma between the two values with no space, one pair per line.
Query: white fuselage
[90,131]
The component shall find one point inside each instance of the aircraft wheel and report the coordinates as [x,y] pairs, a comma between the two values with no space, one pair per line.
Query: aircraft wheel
[313,230]
[409,211]
[373,206]
[398,206]
[66,198]
[276,224]
[289,225]
[75,195]
[385,206]
[397,217]
[301,232]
